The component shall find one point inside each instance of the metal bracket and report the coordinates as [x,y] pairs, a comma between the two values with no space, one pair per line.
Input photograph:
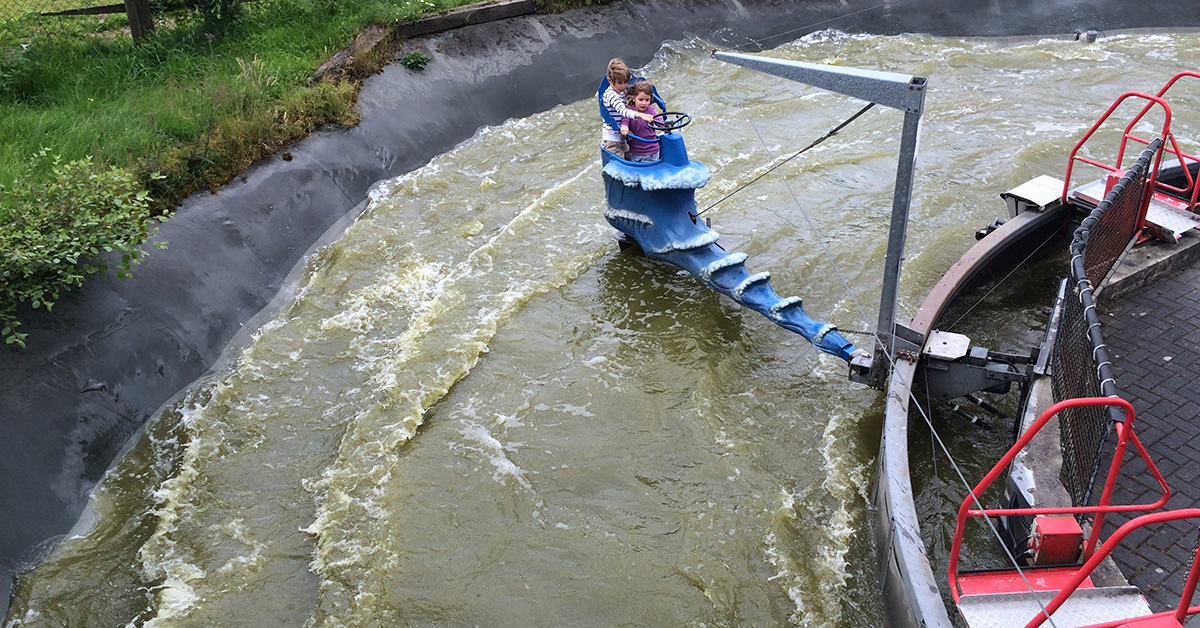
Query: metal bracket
[908,339]
[952,368]
[860,368]
[905,344]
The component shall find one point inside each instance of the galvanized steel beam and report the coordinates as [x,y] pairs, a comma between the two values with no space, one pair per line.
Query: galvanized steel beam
[898,91]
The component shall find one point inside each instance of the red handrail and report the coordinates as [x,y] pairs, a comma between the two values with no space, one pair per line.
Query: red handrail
[1119,623]
[1187,173]
[1191,182]
[1182,611]
[1124,435]
[1166,132]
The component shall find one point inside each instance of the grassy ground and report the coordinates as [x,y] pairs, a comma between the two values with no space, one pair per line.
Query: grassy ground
[194,105]
[189,107]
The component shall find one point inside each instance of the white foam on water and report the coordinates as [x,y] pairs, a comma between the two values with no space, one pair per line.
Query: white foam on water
[830,35]
[817,583]
[445,338]
[496,453]
[408,287]
[249,562]
[725,161]
[574,410]
[786,570]
[176,597]
[168,554]
[1042,128]
[160,555]
[845,483]
[30,616]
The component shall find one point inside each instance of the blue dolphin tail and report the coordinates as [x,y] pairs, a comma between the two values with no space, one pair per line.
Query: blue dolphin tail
[655,204]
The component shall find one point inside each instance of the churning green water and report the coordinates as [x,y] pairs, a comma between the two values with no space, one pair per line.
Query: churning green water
[475,412]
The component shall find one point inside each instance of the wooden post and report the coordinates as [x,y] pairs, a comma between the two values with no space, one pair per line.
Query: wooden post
[140,21]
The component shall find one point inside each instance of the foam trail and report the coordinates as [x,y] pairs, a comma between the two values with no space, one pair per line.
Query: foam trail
[161,558]
[355,555]
[811,560]
[210,545]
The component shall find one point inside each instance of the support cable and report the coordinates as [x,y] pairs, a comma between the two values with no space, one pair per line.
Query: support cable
[937,480]
[979,505]
[808,220]
[796,154]
[1001,282]
[809,27]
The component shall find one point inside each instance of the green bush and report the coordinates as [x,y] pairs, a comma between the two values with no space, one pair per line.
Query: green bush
[218,15]
[57,220]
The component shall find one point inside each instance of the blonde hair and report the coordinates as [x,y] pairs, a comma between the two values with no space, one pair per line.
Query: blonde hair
[618,72]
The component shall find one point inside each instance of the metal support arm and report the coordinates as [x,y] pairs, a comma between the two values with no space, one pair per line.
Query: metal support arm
[898,91]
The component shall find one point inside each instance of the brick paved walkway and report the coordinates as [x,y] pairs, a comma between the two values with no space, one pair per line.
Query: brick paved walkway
[1154,338]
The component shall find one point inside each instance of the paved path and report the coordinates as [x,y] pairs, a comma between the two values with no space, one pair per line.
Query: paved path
[1154,336]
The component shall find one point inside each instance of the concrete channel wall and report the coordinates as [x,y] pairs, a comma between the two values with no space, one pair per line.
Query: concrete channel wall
[113,353]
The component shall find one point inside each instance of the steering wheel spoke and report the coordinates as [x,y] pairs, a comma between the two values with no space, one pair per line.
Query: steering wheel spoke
[670,121]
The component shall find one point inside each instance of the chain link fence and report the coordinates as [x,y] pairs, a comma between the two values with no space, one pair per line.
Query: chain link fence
[13,9]
[1080,365]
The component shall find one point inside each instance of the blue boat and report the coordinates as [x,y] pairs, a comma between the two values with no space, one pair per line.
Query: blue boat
[654,204]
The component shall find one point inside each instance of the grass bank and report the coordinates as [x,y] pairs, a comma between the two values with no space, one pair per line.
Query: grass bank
[188,108]
[195,105]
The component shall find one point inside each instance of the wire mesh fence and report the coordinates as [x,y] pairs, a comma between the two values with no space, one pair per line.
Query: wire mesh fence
[1080,364]
[13,9]
[1110,235]
[1082,429]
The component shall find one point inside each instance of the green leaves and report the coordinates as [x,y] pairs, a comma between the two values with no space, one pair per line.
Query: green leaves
[55,219]
[415,61]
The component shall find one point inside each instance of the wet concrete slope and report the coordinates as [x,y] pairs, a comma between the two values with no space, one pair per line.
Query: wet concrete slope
[114,352]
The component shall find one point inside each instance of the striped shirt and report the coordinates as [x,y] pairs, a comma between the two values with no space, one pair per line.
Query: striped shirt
[615,103]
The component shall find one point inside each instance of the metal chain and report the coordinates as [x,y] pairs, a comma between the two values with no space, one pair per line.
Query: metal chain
[1192,559]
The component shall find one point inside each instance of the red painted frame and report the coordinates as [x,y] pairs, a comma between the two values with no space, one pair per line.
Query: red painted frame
[1166,133]
[1189,588]
[1124,436]
[1191,182]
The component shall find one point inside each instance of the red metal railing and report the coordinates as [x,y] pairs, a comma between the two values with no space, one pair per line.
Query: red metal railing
[1189,588]
[1125,435]
[1125,137]
[1174,148]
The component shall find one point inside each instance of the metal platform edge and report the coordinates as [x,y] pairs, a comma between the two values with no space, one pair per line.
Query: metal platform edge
[912,598]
